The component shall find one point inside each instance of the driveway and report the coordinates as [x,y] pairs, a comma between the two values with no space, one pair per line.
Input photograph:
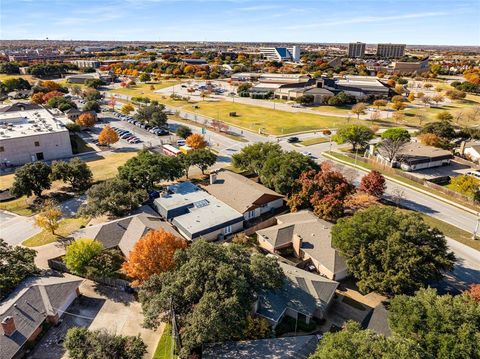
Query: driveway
[98,307]
[14,229]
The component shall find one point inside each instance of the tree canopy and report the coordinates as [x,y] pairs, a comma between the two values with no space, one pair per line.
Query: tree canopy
[152,254]
[145,169]
[183,131]
[354,342]
[76,172]
[391,252]
[212,289]
[83,343]
[152,114]
[16,263]
[444,326]
[114,197]
[108,136]
[31,178]
[373,183]
[356,135]
[324,191]
[252,157]
[196,141]
[79,253]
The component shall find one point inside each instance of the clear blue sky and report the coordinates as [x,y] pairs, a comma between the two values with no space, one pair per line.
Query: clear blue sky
[449,22]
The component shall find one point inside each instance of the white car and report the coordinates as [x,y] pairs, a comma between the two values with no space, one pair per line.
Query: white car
[306,153]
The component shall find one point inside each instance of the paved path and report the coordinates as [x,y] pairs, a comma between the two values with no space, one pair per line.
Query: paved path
[14,229]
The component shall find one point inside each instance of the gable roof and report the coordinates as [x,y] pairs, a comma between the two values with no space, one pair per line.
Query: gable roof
[240,192]
[20,106]
[316,238]
[377,320]
[302,291]
[125,232]
[29,305]
[299,347]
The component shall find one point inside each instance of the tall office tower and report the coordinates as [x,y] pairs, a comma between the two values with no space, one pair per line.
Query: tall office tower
[356,49]
[390,50]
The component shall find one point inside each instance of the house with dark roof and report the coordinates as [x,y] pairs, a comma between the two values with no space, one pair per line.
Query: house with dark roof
[309,237]
[377,320]
[124,233]
[299,347]
[303,295]
[415,156]
[242,194]
[34,302]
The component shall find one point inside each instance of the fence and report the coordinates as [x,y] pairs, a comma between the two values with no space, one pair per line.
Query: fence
[427,183]
[58,265]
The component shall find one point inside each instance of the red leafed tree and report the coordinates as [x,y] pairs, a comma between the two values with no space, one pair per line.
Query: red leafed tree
[324,191]
[52,94]
[373,183]
[474,291]
[152,254]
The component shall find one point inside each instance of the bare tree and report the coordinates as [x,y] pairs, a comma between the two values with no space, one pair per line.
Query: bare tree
[398,195]
[390,148]
[474,113]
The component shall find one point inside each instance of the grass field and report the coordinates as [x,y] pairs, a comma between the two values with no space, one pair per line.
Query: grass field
[19,206]
[29,78]
[314,141]
[67,227]
[164,346]
[250,117]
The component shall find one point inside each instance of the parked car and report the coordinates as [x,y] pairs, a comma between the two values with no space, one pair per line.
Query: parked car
[306,153]
[293,140]
[181,142]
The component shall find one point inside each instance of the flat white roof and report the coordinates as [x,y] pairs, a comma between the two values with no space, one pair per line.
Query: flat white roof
[18,124]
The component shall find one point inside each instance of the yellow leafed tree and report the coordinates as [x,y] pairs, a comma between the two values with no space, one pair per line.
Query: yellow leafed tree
[108,136]
[196,141]
[49,217]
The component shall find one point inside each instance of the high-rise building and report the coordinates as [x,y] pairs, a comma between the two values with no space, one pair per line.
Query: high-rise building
[281,53]
[356,49]
[390,50]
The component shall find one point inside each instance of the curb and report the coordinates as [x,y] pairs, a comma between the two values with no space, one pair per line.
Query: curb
[466,209]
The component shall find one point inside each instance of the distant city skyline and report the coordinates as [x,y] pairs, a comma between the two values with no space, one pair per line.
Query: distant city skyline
[429,22]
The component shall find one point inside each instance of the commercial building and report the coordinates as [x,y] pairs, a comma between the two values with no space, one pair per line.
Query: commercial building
[415,67]
[281,53]
[356,49]
[35,304]
[415,156]
[304,295]
[86,63]
[270,78]
[358,86]
[310,238]
[242,194]
[197,214]
[29,132]
[390,50]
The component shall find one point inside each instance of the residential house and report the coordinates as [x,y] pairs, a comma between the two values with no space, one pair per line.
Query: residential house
[299,347]
[242,194]
[197,214]
[377,321]
[73,114]
[414,156]
[124,233]
[34,302]
[309,237]
[304,295]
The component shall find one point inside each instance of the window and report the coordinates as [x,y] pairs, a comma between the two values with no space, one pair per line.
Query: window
[250,214]
[2,148]
[40,156]
[227,230]
[37,144]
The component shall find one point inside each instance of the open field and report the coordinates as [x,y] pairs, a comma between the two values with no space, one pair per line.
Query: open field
[67,227]
[29,78]
[19,206]
[314,141]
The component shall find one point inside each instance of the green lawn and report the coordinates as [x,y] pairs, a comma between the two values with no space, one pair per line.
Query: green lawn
[29,78]
[67,227]
[250,117]
[20,206]
[164,346]
[314,141]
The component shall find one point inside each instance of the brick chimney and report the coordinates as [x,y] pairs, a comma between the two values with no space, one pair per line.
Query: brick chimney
[297,244]
[8,326]
[213,177]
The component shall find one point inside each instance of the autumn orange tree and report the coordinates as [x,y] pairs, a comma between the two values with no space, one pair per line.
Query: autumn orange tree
[108,136]
[38,97]
[152,254]
[474,291]
[52,94]
[196,141]
[49,217]
[86,119]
